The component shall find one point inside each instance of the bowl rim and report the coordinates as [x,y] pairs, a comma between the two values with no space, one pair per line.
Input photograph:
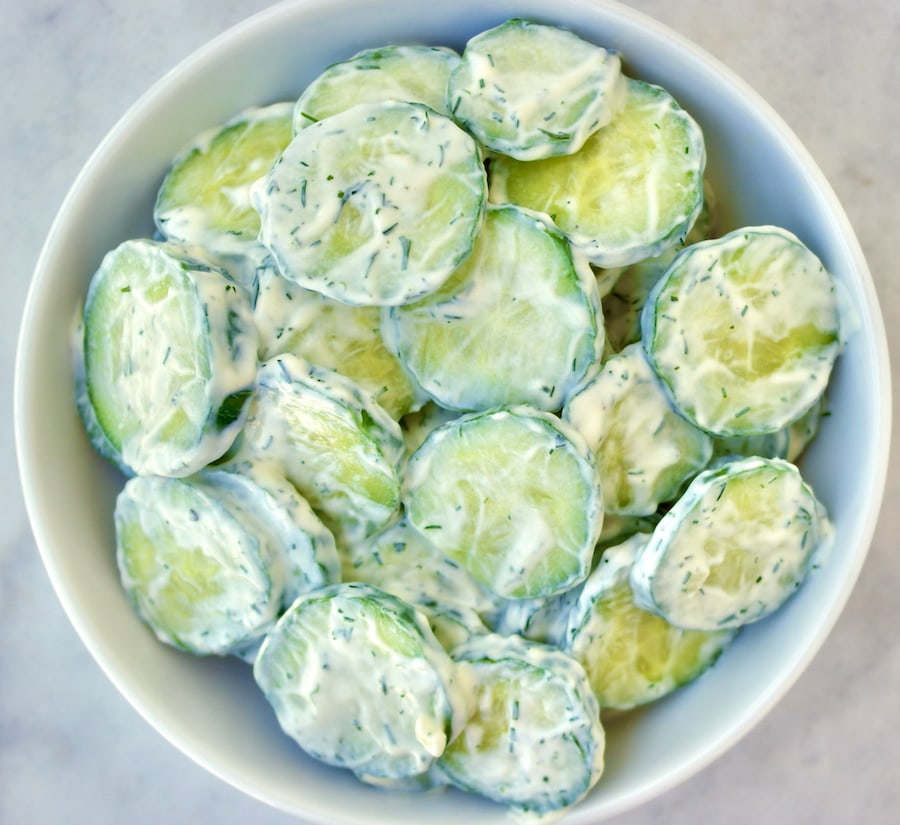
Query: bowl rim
[26,417]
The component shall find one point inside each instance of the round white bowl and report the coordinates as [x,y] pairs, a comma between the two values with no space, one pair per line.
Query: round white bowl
[210,708]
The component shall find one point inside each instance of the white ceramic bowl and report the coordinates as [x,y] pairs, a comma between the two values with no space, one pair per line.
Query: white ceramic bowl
[211,708]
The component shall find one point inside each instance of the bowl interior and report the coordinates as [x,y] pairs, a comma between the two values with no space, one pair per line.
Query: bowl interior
[210,708]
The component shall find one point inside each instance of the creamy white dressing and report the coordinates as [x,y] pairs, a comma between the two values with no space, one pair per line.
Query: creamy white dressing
[374,205]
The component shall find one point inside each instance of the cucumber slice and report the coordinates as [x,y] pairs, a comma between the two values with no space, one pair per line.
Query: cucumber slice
[211,561]
[334,335]
[169,358]
[304,548]
[205,196]
[535,741]
[633,190]
[375,205]
[357,679]
[644,448]
[733,549]
[616,529]
[512,495]
[744,331]
[802,431]
[401,561]
[540,620]
[411,73]
[518,323]
[530,90]
[330,439]
[633,657]
[83,406]
[195,565]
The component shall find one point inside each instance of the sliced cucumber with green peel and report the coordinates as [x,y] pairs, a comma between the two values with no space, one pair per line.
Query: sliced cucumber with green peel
[199,570]
[788,443]
[377,204]
[518,322]
[538,620]
[402,561]
[632,657]
[744,331]
[169,358]
[535,741]
[734,548]
[305,553]
[358,680]
[334,335]
[411,73]
[92,429]
[803,430]
[204,199]
[632,191]
[512,495]
[644,448]
[330,439]
[531,90]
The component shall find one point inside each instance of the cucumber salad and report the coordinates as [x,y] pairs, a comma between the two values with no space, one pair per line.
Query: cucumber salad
[442,401]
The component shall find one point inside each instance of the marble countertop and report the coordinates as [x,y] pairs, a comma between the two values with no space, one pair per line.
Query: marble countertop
[72,750]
